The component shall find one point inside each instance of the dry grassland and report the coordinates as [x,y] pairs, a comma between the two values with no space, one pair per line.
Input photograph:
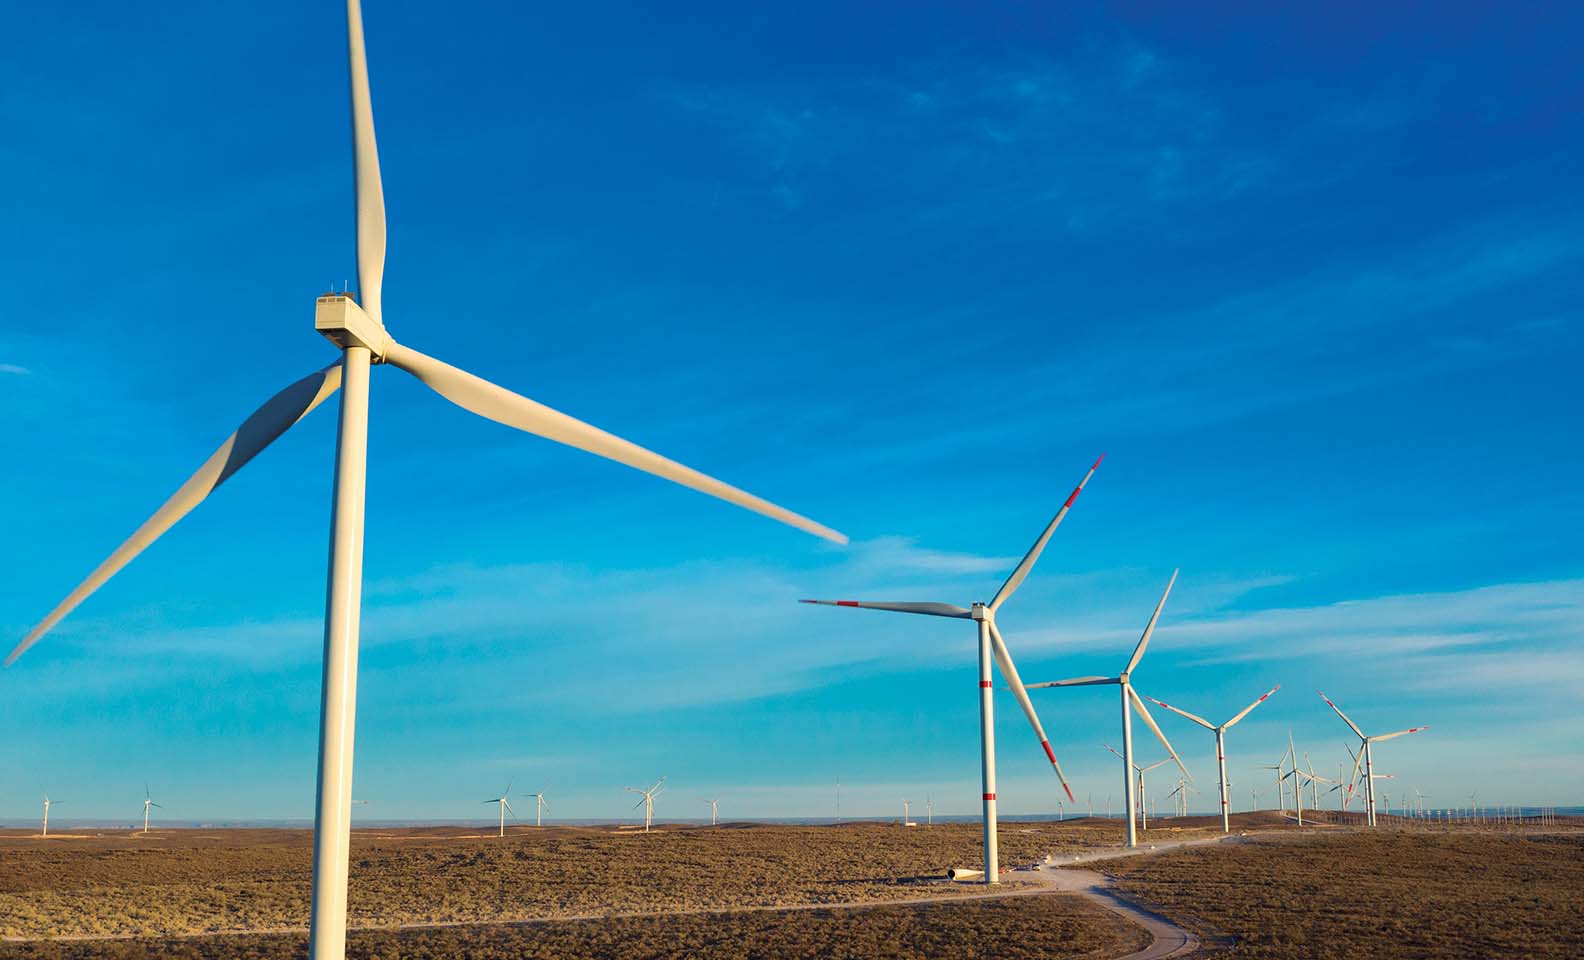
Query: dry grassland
[1454,893]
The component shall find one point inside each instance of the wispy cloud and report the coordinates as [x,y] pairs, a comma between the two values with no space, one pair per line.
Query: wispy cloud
[14,369]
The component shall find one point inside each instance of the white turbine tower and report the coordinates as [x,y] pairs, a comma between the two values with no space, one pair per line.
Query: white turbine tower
[714,811]
[505,805]
[44,831]
[648,801]
[991,644]
[148,801]
[357,329]
[1220,740]
[539,807]
[1130,700]
[1366,755]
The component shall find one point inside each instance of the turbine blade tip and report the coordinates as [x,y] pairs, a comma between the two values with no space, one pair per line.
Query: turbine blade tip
[1097,462]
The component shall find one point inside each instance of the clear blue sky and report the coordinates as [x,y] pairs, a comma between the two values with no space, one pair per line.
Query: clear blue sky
[1313,284]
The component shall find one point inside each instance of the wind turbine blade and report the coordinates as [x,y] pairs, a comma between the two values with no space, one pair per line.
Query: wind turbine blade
[1074,682]
[258,431]
[1246,710]
[366,172]
[1150,722]
[1004,661]
[1138,651]
[1399,733]
[928,609]
[514,410]
[1183,713]
[638,804]
[1021,572]
[1344,716]
[1358,758]
[508,806]
[1113,750]
[1157,763]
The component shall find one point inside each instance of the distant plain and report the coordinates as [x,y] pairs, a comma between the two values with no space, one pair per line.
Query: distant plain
[714,892]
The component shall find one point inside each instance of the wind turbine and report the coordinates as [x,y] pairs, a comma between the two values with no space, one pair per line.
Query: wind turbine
[1281,788]
[1367,755]
[648,801]
[991,644]
[148,801]
[929,811]
[714,811]
[1130,699]
[44,832]
[539,807]
[505,805]
[1220,740]
[1140,771]
[356,327]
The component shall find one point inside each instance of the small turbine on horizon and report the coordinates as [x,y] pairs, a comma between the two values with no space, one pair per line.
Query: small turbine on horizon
[44,831]
[148,801]
[539,807]
[1139,773]
[505,806]
[648,801]
[714,811]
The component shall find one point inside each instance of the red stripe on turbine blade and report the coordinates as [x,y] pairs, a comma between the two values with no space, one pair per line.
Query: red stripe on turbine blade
[1070,797]
[846,603]
[1097,463]
[984,683]
[1072,496]
[1048,752]
[989,796]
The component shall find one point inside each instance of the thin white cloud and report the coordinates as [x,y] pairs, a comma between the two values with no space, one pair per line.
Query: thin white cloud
[14,369]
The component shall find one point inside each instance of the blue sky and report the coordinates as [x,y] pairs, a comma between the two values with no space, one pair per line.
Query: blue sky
[1312,284]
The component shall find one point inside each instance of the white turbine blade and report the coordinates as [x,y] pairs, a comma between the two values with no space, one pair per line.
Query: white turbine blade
[507,804]
[1138,651]
[1353,726]
[1150,722]
[258,431]
[639,803]
[928,609]
[1113,750]
[1183,713]
[1399,733]
[1246,710]
[1021,572]
[366,172]
[1004,661]
[1074,682]
[1157,763]
[1358,758]
[514,410]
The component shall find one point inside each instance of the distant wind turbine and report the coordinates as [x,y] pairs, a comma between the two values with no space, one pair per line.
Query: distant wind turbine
[1220,741]
[714,811]
[1139,772]
[539,807]
[648,801]
[44,832]
[356,328]
[991,644]
[148,801]
[1367,754]
[1130,700]
[505,806]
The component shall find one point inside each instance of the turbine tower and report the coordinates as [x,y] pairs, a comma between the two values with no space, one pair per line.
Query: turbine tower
[148,801]
[539,807]
[714,811]
[648,801]
[1139,772]
[44,831]
[1366,755]
[356,327]
[1220,740]
[1130,699]
[991,644]
[505,805]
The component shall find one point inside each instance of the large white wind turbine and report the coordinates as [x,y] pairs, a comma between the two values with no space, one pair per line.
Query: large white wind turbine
[991,644]
[648,801]
[1220,738]
[1366,755]
[148,801]
[505,805]
[357,329]
[44,831]
[1130,700]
